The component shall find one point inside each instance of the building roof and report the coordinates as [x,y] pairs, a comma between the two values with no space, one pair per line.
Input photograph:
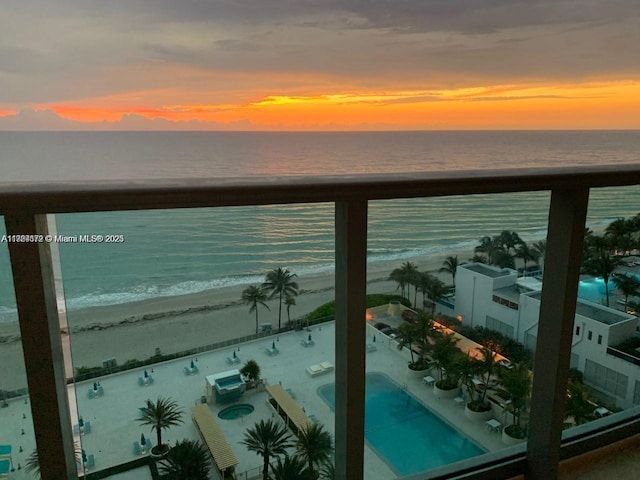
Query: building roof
[288,405]
[594,311]
[487,270]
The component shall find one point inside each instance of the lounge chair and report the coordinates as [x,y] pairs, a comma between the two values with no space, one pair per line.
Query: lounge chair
[87,427]
[187,371]
[314,370]
[140,381]
[371,347]
[91,461]
[136,448]
[328,366]
[100,390]
[91,393]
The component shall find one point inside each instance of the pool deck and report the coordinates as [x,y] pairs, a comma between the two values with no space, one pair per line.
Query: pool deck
[113,416]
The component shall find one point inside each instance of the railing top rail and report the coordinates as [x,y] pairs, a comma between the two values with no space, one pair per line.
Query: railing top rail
[75,196]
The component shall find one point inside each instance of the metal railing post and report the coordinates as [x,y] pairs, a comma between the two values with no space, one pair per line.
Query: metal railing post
[351,290]
[33,280]
[567,216]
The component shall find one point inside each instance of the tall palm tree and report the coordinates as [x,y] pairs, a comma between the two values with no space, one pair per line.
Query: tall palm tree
[436,289]
[267,438]
[486,368]
[450,265]
[578,404]
[281,284]
[516,384]
[291,468]
[187,460]
[253,296]
[602,265]
[444,353]
[315,446]
[527,254]
[509,240]
[629,285]
[289,302]
[161,414]
[397,275]
[418,334]
[328,470]
[540,247]
[620,231]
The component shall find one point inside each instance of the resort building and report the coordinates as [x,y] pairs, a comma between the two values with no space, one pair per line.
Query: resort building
[498,299]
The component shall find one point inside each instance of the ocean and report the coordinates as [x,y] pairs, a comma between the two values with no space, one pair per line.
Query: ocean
[185,251]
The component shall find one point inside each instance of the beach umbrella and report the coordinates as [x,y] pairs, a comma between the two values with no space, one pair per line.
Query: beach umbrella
[95,386]
[143,441]
[84,456]
[309,338]
[234,354]
[81,422]
[146,375]
[193,365]
[374,339]
[273,345]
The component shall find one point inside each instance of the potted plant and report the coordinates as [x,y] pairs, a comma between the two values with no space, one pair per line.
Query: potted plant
[161,414]
[445,356]
[251,372]
[478,408]
[516,387]
[416,335]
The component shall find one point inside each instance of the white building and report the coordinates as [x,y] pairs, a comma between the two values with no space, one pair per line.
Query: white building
[496,298]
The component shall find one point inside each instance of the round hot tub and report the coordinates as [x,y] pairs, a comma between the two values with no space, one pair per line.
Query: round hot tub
[235,411]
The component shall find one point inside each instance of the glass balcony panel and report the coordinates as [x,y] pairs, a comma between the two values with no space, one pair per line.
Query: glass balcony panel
[444,267]
[162,306]
[17,437]
[605,356]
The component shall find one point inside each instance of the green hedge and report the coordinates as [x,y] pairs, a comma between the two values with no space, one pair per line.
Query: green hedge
[328,310]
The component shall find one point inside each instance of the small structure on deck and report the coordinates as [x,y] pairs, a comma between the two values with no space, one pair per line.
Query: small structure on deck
[225,387]
[224,459]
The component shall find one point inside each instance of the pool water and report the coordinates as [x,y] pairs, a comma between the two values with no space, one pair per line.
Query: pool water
[235,411]
[403,432]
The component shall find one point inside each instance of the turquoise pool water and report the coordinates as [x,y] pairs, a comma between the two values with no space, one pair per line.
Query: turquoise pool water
[403,432]
[235,411]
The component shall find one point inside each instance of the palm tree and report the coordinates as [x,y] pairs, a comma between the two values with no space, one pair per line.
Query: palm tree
[315,446]
[328,470]
[418,334]
[444,353]
[187,460]
[620,232]
[436,289]
[629,285]
[509,240]
[291,468]
[527,255]
[516,385]
[540,247]
[450,265]
[578,405]
[251,370]
[602,265]
[267,438]
[280,283]
[397,275]
[161,414]
[253,296]
[487,366]
[289,302]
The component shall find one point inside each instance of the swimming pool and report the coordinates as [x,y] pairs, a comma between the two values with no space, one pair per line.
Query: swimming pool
[402,432]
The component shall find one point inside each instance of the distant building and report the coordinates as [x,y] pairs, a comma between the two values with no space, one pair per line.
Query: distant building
[498,299]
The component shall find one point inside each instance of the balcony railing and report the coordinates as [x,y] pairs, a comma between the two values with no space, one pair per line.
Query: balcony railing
[24,208]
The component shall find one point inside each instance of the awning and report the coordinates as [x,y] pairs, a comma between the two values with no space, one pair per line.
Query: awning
[222,454]
[288,406]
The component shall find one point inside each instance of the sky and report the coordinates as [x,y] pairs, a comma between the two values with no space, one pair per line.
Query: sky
[319,64]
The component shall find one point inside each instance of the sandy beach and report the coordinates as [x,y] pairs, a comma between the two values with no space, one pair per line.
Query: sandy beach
[173,324]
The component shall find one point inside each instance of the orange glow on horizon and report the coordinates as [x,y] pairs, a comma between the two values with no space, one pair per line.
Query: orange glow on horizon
[590,105]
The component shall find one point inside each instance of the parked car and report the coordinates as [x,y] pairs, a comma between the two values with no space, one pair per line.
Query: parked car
[409,316]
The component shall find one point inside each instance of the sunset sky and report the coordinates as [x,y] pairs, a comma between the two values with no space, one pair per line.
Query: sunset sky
[319,64]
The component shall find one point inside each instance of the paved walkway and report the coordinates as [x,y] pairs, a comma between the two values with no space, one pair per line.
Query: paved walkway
[113,416]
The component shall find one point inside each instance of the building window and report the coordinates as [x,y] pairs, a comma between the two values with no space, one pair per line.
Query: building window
[605,378]
[505,302]
[502,327]
[590,335]
[577,330]
[599,339]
